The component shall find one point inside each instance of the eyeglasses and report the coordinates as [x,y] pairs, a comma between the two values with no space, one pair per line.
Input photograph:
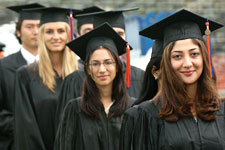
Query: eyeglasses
[107,64]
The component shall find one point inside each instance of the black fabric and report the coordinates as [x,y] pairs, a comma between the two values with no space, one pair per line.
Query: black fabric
[54,14]
[8,67]
[181,25]
[34,110]
[114,17]
[157,49]
[87,19]
[72,87]
[1,46]
[142,129]
[104,36]
[24,14]
[77,131]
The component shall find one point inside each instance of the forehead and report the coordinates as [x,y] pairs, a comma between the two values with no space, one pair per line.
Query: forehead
[182,45]
[53,25]
[101,54]
[25,22]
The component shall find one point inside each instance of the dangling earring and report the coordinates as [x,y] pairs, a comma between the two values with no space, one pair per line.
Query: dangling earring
[155,76]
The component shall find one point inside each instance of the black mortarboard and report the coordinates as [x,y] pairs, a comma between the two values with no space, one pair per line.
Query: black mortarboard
[25,14]
[104,36]
[114,17]
[87,19]
[54,14]
[181,25]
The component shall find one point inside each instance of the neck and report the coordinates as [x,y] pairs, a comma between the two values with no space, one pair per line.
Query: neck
[192,90]
[106,95]
[32,50]
[57,59]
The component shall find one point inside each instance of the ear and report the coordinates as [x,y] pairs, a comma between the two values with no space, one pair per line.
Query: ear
[18,33]
[155,72]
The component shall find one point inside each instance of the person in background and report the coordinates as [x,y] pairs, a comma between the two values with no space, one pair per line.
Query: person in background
[85,24]
[1,50]
[38,85]
[187,113]
[27,30]
[151,81]
[92,122]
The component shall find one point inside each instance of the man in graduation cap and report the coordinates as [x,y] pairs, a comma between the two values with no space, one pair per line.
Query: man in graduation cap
[72,84]
[85,23]
[26,31]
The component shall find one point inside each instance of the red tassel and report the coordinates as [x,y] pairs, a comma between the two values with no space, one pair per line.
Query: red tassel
[207,33]
[128,66]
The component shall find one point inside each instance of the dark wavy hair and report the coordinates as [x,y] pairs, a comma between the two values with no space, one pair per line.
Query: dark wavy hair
[90,102]
[173,97]
[149,85]
[18,29]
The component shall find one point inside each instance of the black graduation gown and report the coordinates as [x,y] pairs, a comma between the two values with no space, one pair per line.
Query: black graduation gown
[34,111]
[78,131]
[8,67]
[72,87]
[142,129]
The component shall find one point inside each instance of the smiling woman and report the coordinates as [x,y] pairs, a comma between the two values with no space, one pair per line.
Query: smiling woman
[187,112]
[38,85]
[97,115]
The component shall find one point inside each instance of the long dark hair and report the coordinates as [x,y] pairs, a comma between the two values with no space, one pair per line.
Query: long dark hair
[173,97]
[91,103]
[149,85]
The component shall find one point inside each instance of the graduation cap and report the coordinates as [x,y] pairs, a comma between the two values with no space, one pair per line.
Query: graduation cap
[181,25]
[54,14]
[26,14]
[104,36]
[114,17]
[81,20]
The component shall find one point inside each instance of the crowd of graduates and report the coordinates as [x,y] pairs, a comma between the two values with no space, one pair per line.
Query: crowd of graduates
[74,91]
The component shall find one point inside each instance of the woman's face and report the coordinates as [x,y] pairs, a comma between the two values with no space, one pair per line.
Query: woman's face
[55,36]
[187,61]
[102,67]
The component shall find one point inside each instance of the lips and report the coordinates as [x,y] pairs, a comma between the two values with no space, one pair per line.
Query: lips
[102,77]
[187,73]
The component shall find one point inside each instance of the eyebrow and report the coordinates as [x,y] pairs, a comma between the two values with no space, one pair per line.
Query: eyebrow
[180,51]
[103,60]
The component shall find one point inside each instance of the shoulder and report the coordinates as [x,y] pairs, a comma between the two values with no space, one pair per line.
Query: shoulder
[11,59]
[137,72]
[73,105]
[78,74]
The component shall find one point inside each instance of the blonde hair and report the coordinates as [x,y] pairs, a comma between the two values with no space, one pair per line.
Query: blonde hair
[46,71]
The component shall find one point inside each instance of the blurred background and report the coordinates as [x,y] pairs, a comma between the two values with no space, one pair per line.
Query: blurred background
[150,11]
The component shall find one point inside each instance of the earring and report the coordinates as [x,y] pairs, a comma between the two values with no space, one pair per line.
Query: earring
[155,76]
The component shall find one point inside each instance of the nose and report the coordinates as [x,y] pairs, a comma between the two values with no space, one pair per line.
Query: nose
[102,68]
[56,35]
[36,29]
[187,63]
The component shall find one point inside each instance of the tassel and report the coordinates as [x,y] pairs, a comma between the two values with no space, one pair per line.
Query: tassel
[71,24]
[128,66]
[207,33]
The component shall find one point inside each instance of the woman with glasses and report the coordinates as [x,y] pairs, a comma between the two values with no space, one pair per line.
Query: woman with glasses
[93,121]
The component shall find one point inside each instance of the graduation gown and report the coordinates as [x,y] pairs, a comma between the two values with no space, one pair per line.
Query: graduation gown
[34,111]
[8,67]
[78,131]
[142,129]
[72,87]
